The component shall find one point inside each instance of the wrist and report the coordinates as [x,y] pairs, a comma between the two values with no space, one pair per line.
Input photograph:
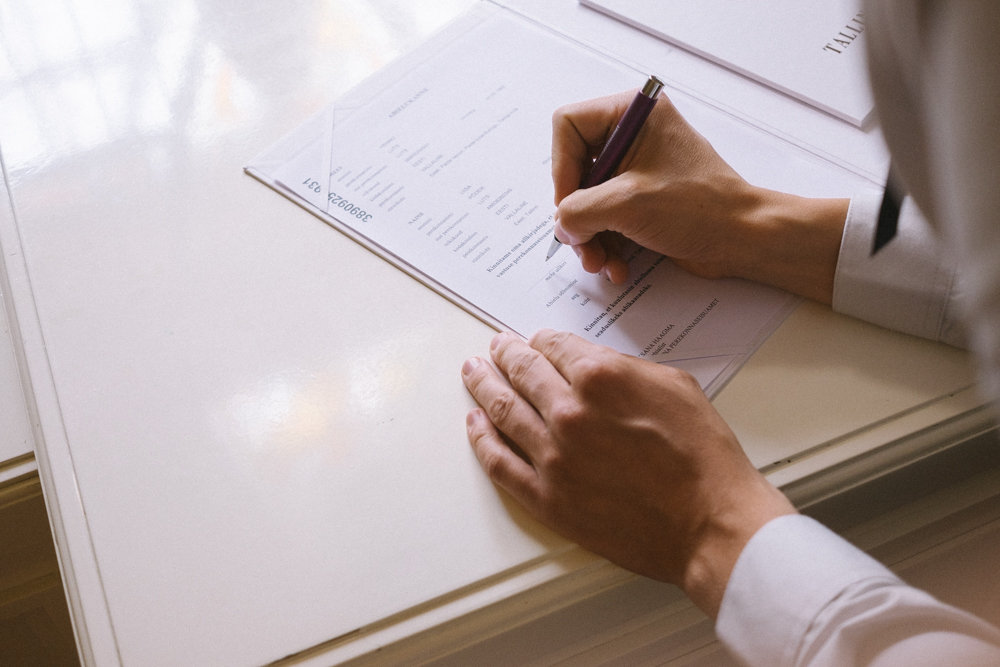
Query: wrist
[711,562]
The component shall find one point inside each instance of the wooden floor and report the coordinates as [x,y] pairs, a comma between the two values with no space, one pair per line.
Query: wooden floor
[35,629]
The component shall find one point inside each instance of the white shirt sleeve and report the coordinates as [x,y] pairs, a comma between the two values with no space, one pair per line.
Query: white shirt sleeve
[907,286]
[801,595]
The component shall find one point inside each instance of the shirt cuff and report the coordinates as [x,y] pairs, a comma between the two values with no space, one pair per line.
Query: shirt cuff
[908,286]
[786,575]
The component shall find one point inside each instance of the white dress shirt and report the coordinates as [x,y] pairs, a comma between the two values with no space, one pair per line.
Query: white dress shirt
[800,595]
[909,286]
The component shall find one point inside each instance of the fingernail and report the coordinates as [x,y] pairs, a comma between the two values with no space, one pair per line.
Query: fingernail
[495,343]
[476,424]
[470,365]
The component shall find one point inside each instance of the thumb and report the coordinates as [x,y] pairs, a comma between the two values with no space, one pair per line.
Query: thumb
[585,213]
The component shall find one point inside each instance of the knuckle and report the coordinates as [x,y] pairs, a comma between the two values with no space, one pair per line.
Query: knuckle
[501,406]
[547,341]
[603,376]
[567,417]
[567,412]
[635,194]
[553,463]
[566,112]
[518,367]
[630,187]
[492,463]
[571,213]
[682,379]
[595,370]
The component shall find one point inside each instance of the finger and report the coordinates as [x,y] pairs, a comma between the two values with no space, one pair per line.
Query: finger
[508,470]
[505,407]
[586,213]
[529,373]
[616,270]
[592,255]
[615,267]
[578,132]
[594,259]
[602,254]
[565,351]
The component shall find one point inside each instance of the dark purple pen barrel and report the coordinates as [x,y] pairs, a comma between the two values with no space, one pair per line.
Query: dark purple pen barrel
[623,135]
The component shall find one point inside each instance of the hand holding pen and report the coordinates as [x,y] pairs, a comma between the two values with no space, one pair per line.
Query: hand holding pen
[674,195]
[618,144]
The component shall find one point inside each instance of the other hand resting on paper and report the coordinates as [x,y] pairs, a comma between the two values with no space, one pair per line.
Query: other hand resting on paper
[625,457]
[674,194]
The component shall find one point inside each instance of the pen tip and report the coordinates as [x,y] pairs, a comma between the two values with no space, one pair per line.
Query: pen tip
[553,248]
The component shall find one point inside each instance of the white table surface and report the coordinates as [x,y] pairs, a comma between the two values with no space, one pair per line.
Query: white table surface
[252,429]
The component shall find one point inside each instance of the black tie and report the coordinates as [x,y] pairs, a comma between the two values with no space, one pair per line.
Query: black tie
[888,215]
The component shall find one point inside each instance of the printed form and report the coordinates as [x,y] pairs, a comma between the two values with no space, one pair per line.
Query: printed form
[445,171]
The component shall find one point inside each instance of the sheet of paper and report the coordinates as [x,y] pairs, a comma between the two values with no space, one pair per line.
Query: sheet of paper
[446,171]
[811,50]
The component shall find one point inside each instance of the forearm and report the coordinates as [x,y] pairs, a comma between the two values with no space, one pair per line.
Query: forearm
[789,242]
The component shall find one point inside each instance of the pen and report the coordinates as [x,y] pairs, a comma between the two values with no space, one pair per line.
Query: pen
[619,142]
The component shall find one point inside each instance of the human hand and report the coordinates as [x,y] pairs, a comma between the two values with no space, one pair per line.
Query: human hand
[671,174]
[623,456]
[675,195]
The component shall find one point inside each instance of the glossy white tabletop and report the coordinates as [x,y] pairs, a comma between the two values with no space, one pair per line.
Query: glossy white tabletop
[252,428]
[201,329]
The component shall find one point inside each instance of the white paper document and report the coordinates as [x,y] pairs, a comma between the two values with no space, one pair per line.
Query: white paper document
[442,166]
[813,50]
